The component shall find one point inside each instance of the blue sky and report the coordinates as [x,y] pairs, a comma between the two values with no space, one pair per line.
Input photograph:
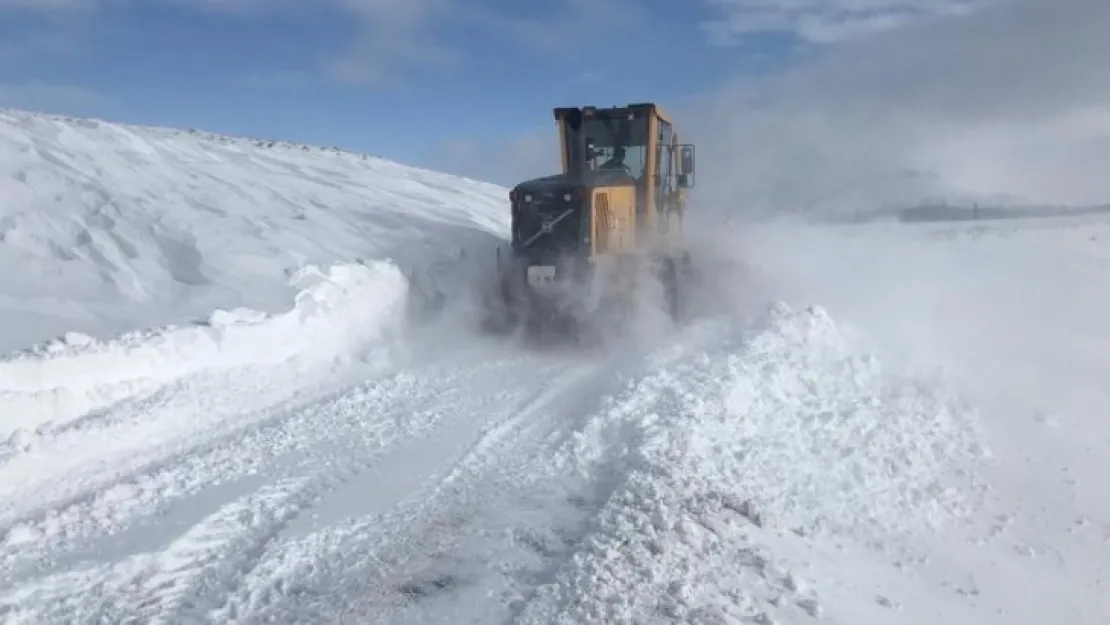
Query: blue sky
[427,82]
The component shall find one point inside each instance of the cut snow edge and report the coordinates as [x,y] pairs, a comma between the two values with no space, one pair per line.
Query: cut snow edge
[337,313]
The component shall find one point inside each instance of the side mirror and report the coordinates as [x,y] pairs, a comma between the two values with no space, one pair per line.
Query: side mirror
[686,159]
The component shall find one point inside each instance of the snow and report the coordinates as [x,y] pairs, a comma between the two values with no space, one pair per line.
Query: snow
[336,314]
[1009,314]
[785,432]
[117,227]
[219,407]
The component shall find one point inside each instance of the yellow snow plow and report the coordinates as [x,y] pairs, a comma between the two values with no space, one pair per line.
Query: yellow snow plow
[585,241]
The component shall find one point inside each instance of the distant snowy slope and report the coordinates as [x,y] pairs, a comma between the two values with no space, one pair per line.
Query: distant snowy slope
[108,227]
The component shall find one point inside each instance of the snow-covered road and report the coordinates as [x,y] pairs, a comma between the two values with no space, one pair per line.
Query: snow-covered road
[211,492]
[229,519]
[478,483]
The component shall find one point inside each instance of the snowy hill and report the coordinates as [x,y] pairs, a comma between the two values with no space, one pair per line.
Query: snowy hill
[107,227]
[909,428]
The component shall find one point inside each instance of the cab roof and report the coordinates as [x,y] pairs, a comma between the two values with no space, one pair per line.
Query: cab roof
[638,109]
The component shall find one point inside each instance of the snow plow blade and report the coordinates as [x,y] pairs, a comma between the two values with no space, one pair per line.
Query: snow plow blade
[578,305]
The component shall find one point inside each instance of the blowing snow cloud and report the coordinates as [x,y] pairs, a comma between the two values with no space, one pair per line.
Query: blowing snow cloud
[1009,104]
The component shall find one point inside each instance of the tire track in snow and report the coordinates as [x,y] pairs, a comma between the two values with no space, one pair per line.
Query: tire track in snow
[106,506]
[305,569]
[137,436]
[225,547]
[484,525]
[206,555]
[151,587]
[281,435]
[353,465]
[484,452]
[200,567]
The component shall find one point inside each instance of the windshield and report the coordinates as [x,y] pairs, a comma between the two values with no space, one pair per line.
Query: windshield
[619,143]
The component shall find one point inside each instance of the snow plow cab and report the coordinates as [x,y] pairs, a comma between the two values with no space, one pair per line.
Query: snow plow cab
[584,240]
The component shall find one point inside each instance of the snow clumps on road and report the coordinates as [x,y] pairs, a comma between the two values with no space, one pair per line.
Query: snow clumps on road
[782,433]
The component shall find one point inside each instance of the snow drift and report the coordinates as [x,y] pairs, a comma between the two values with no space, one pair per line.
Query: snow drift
[109,227]
[339,312]
[784,432]
[1009,314]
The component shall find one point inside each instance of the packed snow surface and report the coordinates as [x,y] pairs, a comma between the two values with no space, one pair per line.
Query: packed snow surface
[248,424]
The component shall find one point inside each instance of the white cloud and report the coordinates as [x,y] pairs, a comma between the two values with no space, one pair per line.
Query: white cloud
[391,33]
[563,27]
[1010,100]
[388,36]
[387,33]
[823,21]
[398,33]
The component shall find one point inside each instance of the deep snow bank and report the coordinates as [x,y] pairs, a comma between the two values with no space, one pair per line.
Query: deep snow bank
[1013,315]
[1014,311]
[338,312]
[105,227]
[787,431]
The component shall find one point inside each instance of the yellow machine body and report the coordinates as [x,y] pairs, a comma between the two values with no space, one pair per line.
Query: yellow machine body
[621,196]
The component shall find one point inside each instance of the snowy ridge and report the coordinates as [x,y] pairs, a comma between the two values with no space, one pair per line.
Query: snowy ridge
[114,227]
[787,433]
[336,314]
